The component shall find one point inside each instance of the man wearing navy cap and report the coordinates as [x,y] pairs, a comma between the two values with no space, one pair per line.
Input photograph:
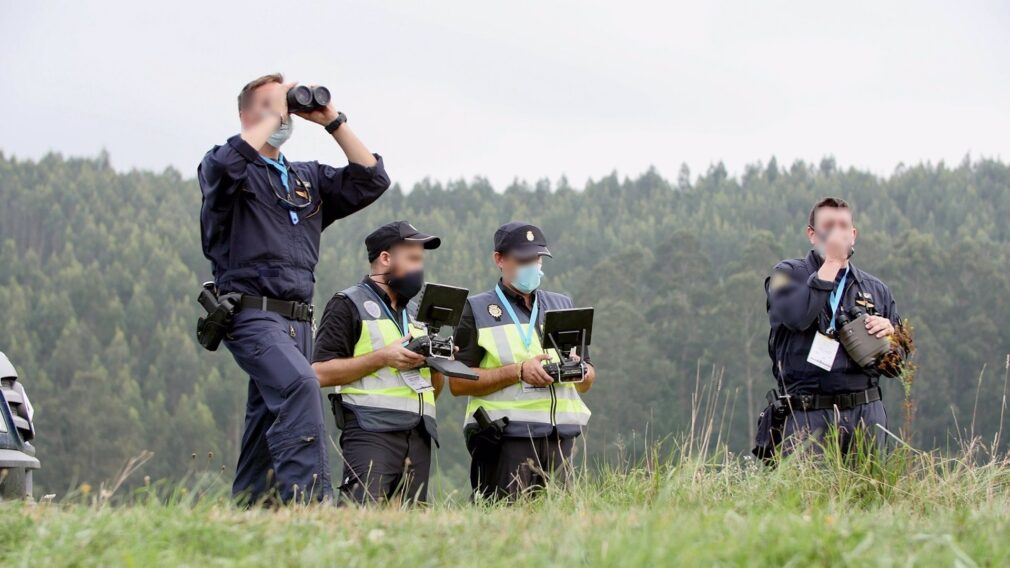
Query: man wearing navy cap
[383,402]
[499,336]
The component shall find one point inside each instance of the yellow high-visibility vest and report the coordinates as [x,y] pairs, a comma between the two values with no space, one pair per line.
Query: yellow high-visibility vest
[382,401]
[531,412]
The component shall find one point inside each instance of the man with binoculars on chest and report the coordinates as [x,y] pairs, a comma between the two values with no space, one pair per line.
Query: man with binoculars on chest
[830,325]
[261,220]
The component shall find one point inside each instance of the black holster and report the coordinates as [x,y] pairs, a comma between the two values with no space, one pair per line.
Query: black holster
[484,446]
[211,329]
[337,405]
[771,423]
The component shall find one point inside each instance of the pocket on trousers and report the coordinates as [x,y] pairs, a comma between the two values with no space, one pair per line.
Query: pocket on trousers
[290,442]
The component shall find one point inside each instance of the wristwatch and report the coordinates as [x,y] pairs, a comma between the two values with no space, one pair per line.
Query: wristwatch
[341,118]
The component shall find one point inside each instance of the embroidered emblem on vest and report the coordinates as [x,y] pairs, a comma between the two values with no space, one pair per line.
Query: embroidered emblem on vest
[494,310]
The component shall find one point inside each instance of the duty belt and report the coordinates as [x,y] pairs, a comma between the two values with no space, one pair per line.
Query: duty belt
[292,310]
[842,401]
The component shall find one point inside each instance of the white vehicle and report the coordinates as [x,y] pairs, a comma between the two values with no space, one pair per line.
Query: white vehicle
[17,454]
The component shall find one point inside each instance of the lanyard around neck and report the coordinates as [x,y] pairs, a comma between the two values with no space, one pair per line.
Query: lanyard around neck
[527,336]
[282,169]
[405,322]
[836,298]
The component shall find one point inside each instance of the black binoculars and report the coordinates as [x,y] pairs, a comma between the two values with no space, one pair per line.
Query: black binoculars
[303,99]
[863,348]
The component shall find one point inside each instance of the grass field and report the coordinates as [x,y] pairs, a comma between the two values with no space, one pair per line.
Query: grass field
[689,508]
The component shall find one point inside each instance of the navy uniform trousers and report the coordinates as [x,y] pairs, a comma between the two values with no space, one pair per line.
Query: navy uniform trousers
[808,429]
[283,450]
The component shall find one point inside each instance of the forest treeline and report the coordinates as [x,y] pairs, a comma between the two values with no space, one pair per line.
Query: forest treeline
[99,271]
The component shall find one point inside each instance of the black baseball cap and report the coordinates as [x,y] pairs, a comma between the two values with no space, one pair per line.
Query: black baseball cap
[521,239]
[391,234]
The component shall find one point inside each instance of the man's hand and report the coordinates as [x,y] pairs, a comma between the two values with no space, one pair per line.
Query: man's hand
[278,100]
[397,356]
[321,116]
[533,371]
[879,326]
[353,148]
[270,119]
[837,246]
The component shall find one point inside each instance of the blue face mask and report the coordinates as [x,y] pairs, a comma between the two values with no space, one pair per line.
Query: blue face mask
[281,135]
[528,278]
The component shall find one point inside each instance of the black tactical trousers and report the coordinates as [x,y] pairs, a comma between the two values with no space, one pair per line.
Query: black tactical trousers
[381,466]
[522,466]
[806,429]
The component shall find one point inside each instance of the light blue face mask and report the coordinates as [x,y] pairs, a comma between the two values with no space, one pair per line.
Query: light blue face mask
[528,278]
[282,133]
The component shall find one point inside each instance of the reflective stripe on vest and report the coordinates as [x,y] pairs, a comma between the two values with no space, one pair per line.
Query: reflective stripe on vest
[383,389]
[557,405]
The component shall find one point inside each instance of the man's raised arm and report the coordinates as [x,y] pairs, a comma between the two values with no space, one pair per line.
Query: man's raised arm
[350,189]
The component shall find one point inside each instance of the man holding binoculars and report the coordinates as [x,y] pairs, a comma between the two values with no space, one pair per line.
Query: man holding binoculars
[816,350]
[261,221]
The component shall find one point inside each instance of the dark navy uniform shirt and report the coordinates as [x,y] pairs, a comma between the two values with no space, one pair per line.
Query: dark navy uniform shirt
[253,246]
[798,308]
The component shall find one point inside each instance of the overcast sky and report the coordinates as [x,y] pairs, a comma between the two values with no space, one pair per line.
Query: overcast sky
[518,89]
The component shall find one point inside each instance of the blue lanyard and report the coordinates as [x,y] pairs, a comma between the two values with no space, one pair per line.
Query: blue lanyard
[527,336]
[836,298]
[389,312]
[283,170]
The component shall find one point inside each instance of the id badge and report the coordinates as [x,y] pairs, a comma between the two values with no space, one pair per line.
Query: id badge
[414,380]
[823,351]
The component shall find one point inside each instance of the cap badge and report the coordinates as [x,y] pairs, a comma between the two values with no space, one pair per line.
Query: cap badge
[494,310]
[529,236]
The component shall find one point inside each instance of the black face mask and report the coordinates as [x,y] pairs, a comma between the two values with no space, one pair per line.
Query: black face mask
[406,286]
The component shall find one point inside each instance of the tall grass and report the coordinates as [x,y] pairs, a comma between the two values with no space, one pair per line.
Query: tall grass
[688,500]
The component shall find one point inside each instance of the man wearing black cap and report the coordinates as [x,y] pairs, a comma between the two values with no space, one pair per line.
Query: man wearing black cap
[383,402]
[496,338]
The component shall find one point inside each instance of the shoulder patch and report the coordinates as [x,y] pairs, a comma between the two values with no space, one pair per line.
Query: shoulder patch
[778,280]
[372,308]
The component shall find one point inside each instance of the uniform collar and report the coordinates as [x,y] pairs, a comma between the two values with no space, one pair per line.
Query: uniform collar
[815,261]
[278,163]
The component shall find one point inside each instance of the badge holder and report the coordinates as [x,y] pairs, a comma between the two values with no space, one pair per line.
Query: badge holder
[565,330]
